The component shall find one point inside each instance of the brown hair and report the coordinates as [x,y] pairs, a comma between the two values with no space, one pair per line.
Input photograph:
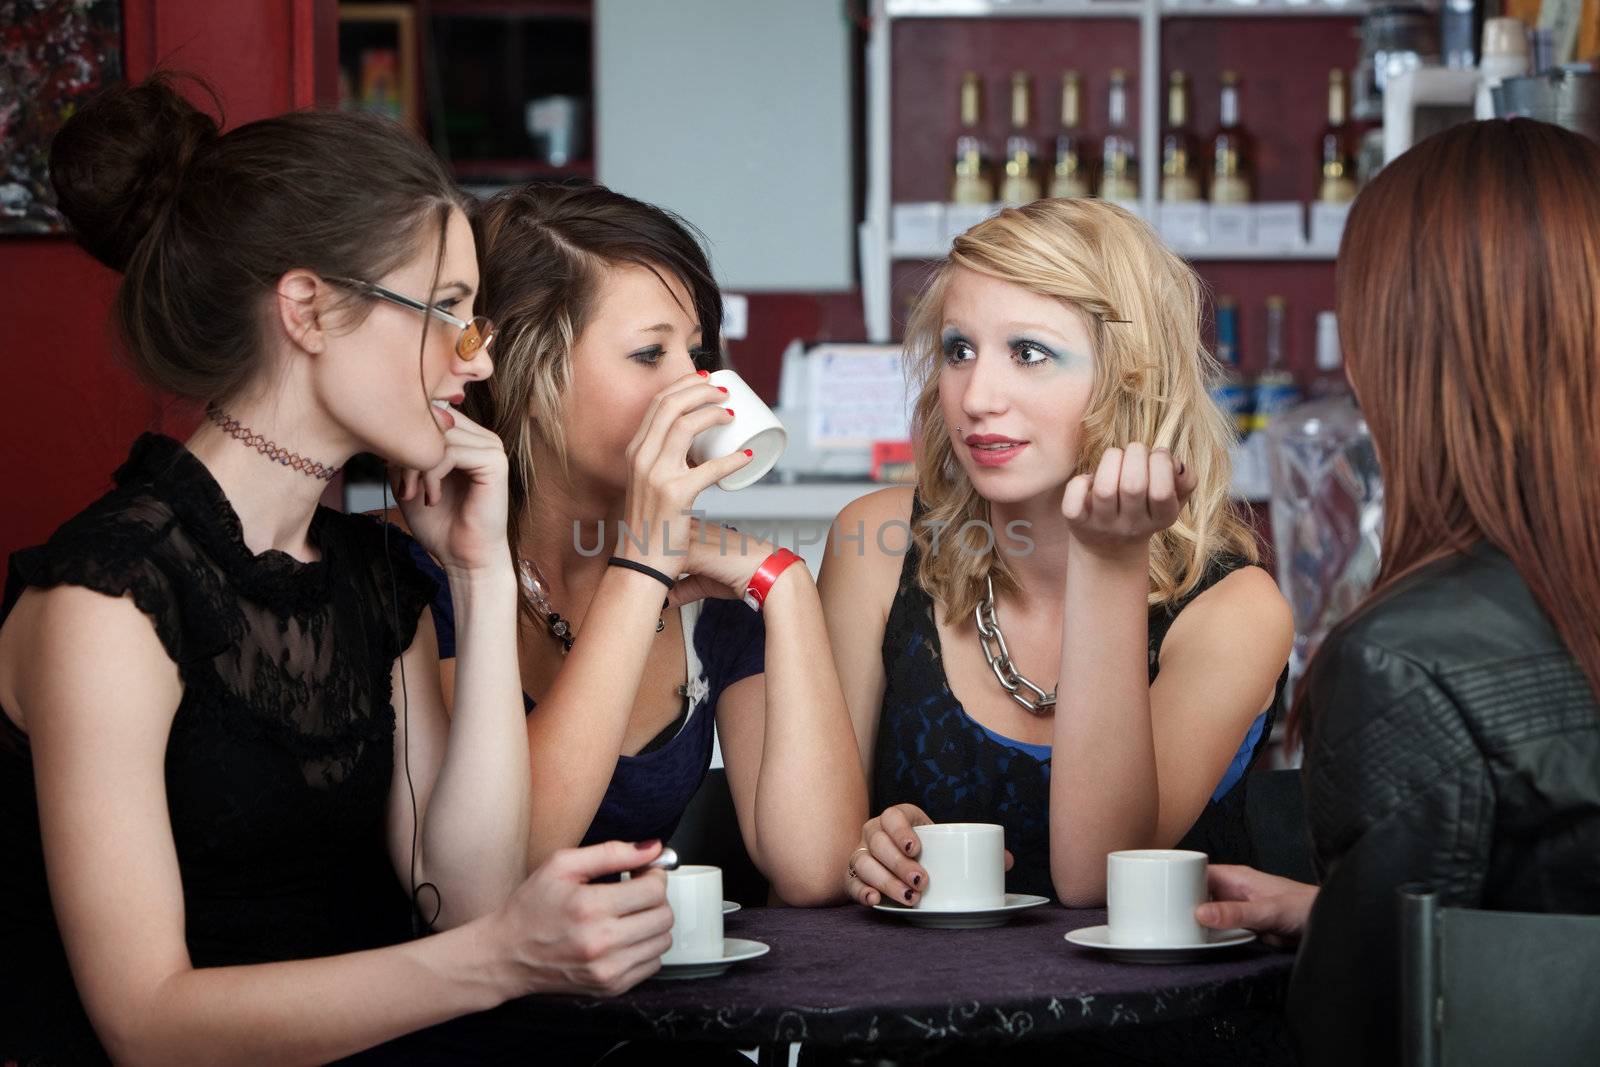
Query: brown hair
[543,250]
[202,224]
[1151,379]
[1469,303]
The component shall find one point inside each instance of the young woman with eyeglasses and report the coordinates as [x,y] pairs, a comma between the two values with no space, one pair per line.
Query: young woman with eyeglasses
[223,737]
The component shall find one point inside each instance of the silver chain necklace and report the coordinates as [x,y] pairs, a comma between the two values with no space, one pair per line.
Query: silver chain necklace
[993,643]
[561,629]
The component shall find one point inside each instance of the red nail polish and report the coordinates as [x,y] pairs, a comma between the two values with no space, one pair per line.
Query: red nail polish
[747,452]
[703,373]
[728,410]
[724,388]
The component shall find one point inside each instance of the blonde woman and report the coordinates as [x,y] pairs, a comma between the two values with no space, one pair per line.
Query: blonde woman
[1071,495]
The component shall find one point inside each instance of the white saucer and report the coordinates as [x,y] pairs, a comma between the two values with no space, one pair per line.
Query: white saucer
[734,950]
[1099,937]
[730,906]
[968,919]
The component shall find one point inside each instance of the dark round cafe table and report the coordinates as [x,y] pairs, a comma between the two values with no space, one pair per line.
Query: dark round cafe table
[851,979]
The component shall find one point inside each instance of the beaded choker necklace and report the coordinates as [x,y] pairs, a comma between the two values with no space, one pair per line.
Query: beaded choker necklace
[271,449]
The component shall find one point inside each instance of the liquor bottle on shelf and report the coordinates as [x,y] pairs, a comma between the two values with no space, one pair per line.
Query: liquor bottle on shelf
[1336,147]
[1330,380]
[1180,149]
[1021,183]
[1231,157]
[1275,391]
[974,169]
[1119,169]
[1071,174]
[1230,391]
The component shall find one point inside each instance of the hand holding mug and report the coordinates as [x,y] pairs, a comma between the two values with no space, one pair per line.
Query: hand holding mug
[662,482]
[1243,897]
[558,933]
[885,866]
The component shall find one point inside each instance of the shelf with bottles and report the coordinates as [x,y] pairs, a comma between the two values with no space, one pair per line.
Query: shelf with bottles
[927,237]
[1207,205]
[1256,401]
[920,53]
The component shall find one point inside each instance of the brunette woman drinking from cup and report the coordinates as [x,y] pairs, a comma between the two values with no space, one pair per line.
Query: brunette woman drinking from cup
[223,736]
[608,318]
[1077,645]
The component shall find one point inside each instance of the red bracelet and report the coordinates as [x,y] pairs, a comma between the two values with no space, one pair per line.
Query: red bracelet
[755,594]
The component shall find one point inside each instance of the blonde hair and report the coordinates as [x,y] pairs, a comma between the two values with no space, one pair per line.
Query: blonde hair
[1151,385]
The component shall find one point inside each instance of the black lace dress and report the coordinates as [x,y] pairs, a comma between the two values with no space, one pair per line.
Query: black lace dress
[280,757]
[932,754]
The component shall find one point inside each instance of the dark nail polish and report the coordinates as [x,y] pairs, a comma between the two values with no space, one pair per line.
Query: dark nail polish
[909,846]
[916,879]
[646,846]
[1181,467]
[908,896]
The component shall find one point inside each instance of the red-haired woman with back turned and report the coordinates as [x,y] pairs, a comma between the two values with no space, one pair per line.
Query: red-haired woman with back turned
[1452,733]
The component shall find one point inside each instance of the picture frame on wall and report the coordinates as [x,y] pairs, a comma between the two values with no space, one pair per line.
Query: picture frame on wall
[55,56]
[378,61]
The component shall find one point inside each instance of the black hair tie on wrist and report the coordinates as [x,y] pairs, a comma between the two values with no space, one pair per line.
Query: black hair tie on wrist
[618,561]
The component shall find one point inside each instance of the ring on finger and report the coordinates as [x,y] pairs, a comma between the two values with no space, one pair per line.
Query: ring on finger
[850,868]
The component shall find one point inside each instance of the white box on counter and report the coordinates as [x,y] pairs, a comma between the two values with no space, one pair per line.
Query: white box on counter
[1280,227]
[1327,224]
[1232,226]
[1184,226]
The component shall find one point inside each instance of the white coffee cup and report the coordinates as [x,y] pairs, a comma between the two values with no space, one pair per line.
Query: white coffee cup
[966,865]
[694,893]
[754,426]
[1151,895]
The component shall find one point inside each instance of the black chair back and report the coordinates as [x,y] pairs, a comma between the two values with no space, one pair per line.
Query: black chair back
[1488,988]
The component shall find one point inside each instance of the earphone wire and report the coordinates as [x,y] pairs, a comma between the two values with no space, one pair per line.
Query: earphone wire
[419,926]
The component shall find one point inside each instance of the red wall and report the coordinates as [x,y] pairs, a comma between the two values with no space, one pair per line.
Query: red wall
[72,409]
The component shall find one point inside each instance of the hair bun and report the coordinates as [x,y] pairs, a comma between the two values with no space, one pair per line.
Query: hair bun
[116,163]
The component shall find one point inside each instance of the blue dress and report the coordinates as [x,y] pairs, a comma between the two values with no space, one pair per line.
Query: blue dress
[648,792]
[931,753]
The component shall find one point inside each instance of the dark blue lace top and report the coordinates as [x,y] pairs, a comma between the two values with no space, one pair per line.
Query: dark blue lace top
[931,753]
[649,792]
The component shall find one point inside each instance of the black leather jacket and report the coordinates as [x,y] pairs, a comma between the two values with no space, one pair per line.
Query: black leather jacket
[1452,740]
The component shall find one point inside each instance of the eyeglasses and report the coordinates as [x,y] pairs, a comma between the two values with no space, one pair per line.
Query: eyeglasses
[476,333]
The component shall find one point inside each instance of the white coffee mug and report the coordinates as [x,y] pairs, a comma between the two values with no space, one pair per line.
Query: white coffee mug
[966,865]
[754,426]
[694,893]
[1151,895]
